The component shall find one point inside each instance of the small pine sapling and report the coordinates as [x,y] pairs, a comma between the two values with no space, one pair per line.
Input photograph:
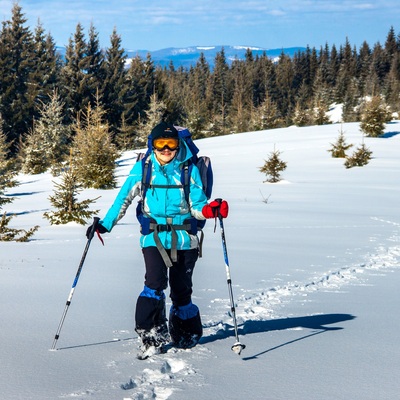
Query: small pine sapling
[338,149]
[8,234]
[65,201]
[273,167]
[359,158]
[7,181]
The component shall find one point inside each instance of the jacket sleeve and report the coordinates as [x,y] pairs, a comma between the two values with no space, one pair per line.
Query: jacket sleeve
[129,190]
[197,198]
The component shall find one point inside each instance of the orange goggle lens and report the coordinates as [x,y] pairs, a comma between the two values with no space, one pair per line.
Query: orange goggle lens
[162,143]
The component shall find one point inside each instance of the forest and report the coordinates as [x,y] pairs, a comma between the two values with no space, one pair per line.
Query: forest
[42,93]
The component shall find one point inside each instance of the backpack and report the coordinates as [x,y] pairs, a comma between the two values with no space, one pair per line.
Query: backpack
[203,163]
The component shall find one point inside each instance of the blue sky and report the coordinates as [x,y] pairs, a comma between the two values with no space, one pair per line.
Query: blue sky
[157,24]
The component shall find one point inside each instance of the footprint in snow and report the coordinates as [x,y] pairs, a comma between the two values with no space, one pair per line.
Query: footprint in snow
[161,380]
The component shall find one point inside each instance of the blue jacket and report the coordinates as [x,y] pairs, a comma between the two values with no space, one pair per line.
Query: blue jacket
[163,204]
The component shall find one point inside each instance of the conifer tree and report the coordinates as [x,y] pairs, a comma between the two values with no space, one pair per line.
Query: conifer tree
[154,115]
[139,87]
[359,158]
[7,171]
[273,167]
[351,106]
[113,86]
[364,67]
[266,115]
[374,116]
[219,94]
[320,116]
[8,234]
[339,148]
[92,66]
[72,74]
[94,154]
[46,144]
[302,116]
[284,85]
[241,99]
[196,115]
[7,181]
[392,84]
[16,64]
[65,201]
[44,77]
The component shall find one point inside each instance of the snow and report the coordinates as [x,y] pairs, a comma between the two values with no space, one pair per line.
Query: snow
[205,48]
[247,47]
[315,270]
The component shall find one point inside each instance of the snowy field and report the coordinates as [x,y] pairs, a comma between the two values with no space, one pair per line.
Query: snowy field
[315,270]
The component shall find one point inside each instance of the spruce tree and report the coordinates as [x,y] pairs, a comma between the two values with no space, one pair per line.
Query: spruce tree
[219,94]
[196,112]
[113,86]
[7,171]
[65,201]
[359,158]
[374,116]
[44,77]
[320,116]
[241,99]
[94,154]
[339,148]
[92,66]
[72,74]
[154,115]
[364,67]
[16,65]
[284,86]
[136,95]
[8,234]
[266,115]
[273,167]
[7,181]
[46,144]
[302,116]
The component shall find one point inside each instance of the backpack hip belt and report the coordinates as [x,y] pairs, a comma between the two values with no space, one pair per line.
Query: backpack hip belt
[168,227]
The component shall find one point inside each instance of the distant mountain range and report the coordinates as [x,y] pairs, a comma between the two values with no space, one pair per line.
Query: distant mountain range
[188,56]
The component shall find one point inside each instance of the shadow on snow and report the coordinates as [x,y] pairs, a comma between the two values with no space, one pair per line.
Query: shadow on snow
[314,322]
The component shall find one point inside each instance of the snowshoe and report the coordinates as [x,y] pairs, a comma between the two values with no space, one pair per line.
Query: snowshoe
[147,350]
[153,341]
[185,326]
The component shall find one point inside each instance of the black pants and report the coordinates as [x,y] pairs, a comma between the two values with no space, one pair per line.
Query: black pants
[150,306]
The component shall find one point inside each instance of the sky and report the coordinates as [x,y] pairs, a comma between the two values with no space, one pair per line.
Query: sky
[157,24]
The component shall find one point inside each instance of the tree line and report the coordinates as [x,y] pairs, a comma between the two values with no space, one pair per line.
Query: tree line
[40,90]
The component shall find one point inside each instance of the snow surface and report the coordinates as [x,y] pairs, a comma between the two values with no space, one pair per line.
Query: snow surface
[314,261]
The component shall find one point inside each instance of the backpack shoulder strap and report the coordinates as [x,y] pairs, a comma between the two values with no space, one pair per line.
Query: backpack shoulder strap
[146,174]
[185,178]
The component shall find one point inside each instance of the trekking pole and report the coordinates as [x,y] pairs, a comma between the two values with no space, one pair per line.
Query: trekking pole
[91,234]
[237,347]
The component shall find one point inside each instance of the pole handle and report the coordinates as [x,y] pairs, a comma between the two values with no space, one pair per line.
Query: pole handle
[94,227]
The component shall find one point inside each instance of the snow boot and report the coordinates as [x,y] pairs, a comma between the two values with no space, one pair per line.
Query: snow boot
[185,325]
[153,341]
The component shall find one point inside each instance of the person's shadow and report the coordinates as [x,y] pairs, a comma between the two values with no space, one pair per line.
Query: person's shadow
[314,322]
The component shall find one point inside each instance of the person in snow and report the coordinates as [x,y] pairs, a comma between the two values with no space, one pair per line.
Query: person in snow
[169,249]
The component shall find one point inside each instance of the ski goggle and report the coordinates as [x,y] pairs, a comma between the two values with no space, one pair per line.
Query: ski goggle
[166,143]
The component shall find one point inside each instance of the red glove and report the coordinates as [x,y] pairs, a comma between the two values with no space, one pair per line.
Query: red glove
[216,208]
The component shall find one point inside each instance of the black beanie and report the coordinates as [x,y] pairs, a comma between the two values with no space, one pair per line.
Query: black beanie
[164,130]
